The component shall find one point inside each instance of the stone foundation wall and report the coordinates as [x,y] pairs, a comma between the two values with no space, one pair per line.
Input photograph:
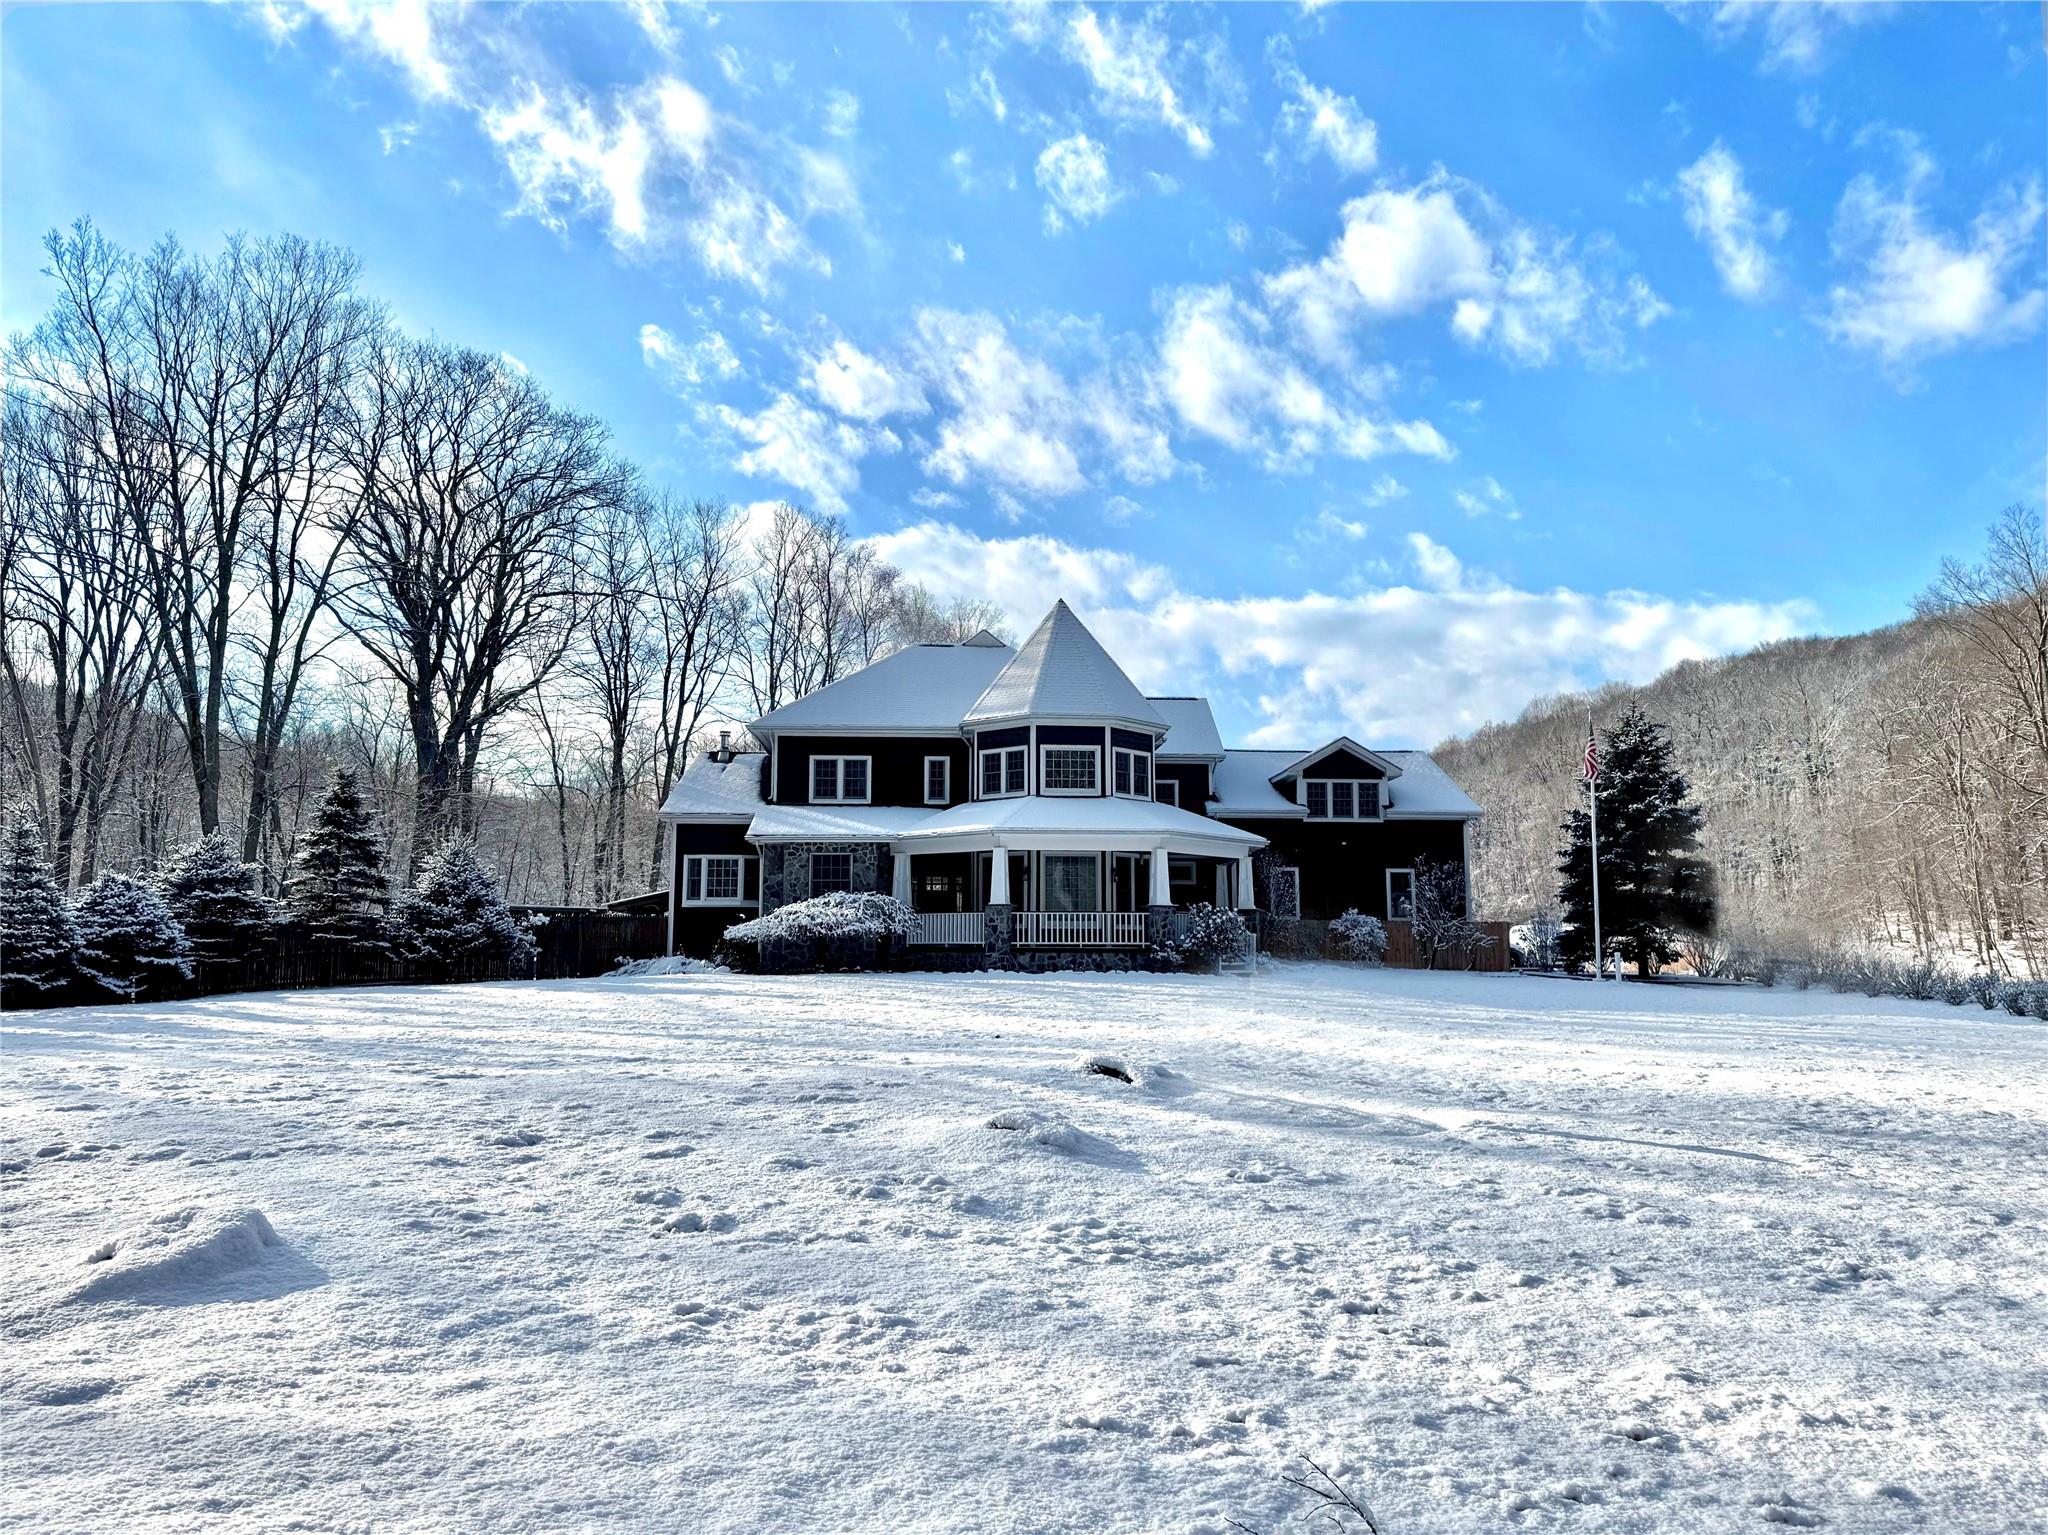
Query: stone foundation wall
[786,869]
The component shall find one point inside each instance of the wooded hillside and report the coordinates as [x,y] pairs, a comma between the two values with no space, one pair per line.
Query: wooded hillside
[1876,788]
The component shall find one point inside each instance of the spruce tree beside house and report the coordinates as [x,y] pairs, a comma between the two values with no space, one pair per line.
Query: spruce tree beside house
[39,958]
[130,940]
[336,891]
[1654,886]
[213,894]
[455,920]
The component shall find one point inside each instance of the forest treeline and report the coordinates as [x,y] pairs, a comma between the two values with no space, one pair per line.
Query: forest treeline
[254,532]
[1881,790]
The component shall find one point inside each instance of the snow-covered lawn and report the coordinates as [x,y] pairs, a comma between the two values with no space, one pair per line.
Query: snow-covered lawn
[717,1253]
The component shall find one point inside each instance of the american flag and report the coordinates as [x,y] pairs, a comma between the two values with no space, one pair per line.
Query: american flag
[1592,764]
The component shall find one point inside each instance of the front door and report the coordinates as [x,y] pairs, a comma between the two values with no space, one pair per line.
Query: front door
[1130,882]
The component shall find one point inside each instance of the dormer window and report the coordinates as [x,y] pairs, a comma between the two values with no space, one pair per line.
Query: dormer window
[1342,799]
[839,780]
[1133,773]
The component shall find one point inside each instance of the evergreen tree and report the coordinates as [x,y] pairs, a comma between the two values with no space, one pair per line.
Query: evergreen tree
[1653,883]
[129,938]
[455,917]
[213,894]
[38,938]
[337,884]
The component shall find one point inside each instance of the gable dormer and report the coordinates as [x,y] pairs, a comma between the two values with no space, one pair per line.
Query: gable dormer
[1062,720]
[1339,781]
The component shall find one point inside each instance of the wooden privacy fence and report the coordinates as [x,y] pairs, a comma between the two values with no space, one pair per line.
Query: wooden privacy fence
[1309,938]
[582,940]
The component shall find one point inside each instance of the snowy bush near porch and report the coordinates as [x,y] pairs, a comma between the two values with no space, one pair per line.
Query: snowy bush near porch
[130,939]
[1357,936]
[843,929]
[1212,933]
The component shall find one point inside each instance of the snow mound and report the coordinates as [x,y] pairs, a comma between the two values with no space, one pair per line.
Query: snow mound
[178,1254]
[668,964]
[1054,1134]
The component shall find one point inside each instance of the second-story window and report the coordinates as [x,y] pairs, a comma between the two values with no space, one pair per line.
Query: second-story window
[1133,773]
[839,780]
[1070,769]
[938,780]
[1002,772]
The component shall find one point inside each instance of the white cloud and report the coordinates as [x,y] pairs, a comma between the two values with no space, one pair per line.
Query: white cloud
[743,234]
[1012,419]
[1384,489]
[1796,35]
[1122,511]
[1486,496]
[1510,286]
[802,447]
[842,113]
[1127,64]
[1401,662]
[955,251]
[1732,224]
[1334,525]
[706,360]
[856,385]
[1074,174]
[936,500]
[1316,118]
[1916,290]
[1225,380]
[562,154]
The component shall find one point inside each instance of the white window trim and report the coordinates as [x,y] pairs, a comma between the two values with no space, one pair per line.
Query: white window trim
[683,897]
[1172,785]
[811,871]
[945,794]
[1117,761]
[1390,894]
[839,781]
[981,772]
[1044,786]
[1357,796]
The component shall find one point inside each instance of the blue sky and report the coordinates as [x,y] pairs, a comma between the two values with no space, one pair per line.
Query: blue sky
[1371,368]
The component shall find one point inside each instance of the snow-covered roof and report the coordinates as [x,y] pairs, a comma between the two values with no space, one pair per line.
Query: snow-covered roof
[1082,816]
[1062,672]
[919,688]
[716,791]
[834,823]
[1190,728]
[1244,784]
[1423,791]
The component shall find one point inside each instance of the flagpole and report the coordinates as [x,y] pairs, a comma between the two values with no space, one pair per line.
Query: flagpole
[1593,852]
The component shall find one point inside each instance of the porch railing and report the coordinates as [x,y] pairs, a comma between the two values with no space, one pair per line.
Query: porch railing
[949,927]
[1078,929]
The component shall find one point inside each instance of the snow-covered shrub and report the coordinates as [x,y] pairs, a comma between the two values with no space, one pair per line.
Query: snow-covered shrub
[129,938]
[845,929]
[337,885]
[1213,933]
[1358,936]
[213,895]
[39,957]
[454,918]
[1983,989]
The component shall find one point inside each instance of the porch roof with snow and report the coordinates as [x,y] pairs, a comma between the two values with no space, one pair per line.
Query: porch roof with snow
[1062,673]
[1041,822]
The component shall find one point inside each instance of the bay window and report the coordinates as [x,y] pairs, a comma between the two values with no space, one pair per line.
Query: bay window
[1133,773]
[1002,772]
[1070,769]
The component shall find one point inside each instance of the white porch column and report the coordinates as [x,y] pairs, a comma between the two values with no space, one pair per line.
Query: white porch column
[1245,899]
[1162,879]
[900,882]
[999,876]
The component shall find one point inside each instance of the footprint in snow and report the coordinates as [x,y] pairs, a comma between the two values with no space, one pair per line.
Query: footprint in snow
[518,1136]
[693,1221]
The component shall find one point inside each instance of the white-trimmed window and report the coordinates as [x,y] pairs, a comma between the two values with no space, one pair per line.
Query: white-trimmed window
[1070,769]
[1002,772]
[716,879]
[1341,799]
[1133,773]
[1167,791]
[938,780]
[1400,895]
[839,780]
[831,871]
